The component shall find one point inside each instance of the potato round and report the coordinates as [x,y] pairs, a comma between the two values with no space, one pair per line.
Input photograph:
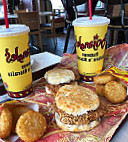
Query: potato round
[103,78]
[16,113]
[100,89]
[31,126]
[5,123]
[115,92]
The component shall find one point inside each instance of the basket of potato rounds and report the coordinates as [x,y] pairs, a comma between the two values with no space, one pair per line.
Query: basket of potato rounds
[23,120]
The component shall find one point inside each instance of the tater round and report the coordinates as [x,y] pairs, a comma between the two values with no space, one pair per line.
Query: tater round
[115,92]
[100,89]
[5,123]
[31,126]
[103,78]
[16,113]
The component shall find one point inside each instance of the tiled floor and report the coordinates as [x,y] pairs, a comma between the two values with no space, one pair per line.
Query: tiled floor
[48,45]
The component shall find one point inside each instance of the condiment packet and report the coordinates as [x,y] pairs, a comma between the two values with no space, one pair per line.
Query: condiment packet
[119,73]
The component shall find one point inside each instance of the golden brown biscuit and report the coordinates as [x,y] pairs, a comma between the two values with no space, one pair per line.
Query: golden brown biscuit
[58,76]
[100,89]
[31,126]
[5,123]
[115,92]
[103,78]
[16,113]
[76,99]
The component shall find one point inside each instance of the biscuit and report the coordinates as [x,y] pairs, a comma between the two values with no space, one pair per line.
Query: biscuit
[76,99]
[100,89]
[16,113]
[31,126]
[115,92]
[57,76]
[5,123]
[103,78]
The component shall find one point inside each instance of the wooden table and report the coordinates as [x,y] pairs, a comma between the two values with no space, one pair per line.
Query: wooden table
[45,13]
[15,16]
[11,17]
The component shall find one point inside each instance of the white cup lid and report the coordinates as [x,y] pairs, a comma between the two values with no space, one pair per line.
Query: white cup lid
[86,22]
[13,30]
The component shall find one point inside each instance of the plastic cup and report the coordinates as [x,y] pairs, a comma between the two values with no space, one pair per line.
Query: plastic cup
[90,45]
[15,66]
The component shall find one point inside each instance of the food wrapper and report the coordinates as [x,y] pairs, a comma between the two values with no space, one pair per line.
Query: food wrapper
[117,56]
[109,123]
[121,74]
[116,62]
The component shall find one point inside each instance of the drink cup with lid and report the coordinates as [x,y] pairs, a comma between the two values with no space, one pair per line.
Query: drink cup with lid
[15,63]
[90,45]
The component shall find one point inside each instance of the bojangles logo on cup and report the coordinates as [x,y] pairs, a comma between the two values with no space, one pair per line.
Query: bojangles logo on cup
[19,57]
[95,43]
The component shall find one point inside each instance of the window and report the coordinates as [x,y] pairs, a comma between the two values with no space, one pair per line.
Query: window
[100,5]
[57,4]
[1,10]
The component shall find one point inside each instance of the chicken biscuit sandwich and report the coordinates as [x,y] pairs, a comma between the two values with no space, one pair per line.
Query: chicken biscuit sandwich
[77,108]
[56,78]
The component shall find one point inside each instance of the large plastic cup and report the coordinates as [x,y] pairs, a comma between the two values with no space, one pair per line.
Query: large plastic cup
[15,66]
[90,45]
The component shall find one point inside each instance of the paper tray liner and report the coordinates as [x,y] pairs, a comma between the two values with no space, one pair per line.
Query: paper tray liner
[108,125]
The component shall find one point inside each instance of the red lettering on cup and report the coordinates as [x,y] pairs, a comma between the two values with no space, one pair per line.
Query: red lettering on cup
[16,56]
[95,44]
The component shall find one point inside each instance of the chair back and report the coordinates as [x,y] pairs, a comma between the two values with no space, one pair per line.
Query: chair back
[70,3]
[121,11]
[126,10]
[30,19]
[114,2]
[20,11]
[71,7]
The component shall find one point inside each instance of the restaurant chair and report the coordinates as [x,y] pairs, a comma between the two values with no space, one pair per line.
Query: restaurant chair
[50,27]
[59,16]
[71,13]
[118,21]
[31,19]
[20,11]
[50,20]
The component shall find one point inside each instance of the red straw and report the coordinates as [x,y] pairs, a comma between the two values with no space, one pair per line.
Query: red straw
[5,14]
[90,9]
